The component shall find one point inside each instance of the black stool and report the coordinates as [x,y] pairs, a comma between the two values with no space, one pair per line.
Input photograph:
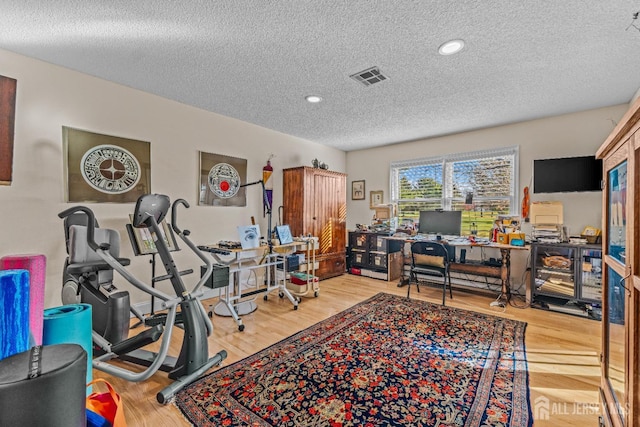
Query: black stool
[44,386]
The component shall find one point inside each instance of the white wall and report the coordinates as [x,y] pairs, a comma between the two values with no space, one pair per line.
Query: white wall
[49,97]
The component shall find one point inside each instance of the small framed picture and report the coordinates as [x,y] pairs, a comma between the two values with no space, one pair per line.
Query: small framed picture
[143,239]
[357,190]
[375,198]
[284,234]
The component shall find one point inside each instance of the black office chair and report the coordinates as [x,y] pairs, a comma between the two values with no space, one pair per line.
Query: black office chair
[431,259]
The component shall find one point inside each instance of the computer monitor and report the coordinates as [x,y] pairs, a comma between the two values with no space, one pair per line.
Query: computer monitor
[440,222]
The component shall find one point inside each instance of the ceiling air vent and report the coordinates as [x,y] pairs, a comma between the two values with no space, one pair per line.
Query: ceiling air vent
[369,76]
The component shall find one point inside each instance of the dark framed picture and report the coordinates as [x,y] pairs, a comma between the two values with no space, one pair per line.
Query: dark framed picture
[103,168]
[221,178]
[357,190]
[7,122]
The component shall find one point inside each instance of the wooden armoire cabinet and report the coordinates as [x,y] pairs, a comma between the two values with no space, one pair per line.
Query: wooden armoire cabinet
[620,384]
[315,202]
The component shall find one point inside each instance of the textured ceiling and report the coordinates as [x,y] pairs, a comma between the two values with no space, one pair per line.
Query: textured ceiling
[256,60]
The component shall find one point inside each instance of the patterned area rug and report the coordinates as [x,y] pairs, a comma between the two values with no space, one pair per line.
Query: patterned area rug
[387,361]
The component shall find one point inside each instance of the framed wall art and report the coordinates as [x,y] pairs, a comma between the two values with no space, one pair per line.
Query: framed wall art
[375,198]
[221,178]
[7,123]
[103,168]
[357,190]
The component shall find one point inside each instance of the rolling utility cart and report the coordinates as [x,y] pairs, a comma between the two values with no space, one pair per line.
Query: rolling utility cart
[235,301]
[304,281]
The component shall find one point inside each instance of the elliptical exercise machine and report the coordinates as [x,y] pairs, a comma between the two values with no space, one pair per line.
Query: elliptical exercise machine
[93,253]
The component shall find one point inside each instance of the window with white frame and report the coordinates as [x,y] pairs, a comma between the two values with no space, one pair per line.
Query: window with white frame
[481,184]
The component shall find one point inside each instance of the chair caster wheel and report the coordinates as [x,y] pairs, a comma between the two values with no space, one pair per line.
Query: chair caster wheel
[295,307]
[280,294]
[265,298]
[315,294]
[241,328]
[210,314]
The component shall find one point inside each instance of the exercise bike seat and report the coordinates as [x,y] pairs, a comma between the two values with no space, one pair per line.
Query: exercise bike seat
[88,278]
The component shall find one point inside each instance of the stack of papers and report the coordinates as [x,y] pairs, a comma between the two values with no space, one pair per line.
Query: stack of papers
[547,233]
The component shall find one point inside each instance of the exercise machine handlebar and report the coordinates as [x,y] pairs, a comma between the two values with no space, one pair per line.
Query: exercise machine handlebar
[91,229]
[174,215]
[183,234]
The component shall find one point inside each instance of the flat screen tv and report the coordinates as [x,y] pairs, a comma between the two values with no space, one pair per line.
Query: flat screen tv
[446,223]
[568,174]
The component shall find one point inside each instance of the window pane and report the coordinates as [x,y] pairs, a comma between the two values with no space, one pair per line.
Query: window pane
[480,215]
[485,178]
[411,209]
[420,182]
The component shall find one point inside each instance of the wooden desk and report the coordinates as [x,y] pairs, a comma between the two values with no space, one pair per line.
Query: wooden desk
[502,272]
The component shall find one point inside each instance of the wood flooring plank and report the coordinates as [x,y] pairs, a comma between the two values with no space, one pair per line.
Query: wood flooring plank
[562,350]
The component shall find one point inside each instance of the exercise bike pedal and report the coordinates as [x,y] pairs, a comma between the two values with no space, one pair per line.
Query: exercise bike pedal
[144,338]
[161,319]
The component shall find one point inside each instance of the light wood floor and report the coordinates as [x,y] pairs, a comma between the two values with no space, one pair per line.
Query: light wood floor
[562,350]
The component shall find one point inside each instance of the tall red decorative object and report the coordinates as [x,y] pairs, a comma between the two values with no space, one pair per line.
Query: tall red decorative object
[267,171]
[36,265]
[526,203]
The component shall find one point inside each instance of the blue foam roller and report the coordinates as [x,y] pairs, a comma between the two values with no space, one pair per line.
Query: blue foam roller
[70,324]
[14,312]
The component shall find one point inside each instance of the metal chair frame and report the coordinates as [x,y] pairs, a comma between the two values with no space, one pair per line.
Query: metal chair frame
[435,249]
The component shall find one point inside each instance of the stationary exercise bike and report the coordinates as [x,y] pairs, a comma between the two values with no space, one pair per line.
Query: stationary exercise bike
[93,255]
[88,279]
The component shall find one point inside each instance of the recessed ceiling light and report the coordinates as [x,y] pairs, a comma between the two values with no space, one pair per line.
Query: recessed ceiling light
[314,99]
[451,47]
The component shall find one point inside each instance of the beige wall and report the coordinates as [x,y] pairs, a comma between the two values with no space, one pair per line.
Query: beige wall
[49,97]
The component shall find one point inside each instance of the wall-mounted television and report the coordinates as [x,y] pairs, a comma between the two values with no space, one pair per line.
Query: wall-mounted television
[567,174]
[446,223]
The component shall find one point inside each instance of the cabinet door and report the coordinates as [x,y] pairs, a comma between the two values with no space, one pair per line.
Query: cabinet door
[554,271]
[620,389]
[590,274]
[330,212]
[359,241]
[615,304]
[633,363]
[296,210]
[314,203]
